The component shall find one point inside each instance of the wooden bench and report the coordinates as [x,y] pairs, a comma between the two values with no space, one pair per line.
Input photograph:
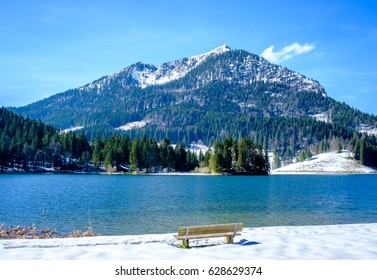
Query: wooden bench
[229,231]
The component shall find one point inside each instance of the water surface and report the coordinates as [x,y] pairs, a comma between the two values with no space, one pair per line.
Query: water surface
[124,204]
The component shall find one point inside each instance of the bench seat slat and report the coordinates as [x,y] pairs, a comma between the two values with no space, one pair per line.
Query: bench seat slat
[195,230]
[208,235]
[209,230]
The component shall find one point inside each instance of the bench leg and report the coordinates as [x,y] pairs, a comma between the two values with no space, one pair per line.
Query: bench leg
[185,243]
[228,240]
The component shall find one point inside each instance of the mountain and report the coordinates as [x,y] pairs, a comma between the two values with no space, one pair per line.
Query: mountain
[221,93]
[180,81]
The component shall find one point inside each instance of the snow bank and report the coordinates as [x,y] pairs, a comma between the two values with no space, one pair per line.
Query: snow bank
[331,242]
[327,163]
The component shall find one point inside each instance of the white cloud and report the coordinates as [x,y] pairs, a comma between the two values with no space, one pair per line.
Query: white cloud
[287,52]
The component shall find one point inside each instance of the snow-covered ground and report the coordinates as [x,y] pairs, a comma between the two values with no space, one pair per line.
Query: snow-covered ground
[132,125]
[197,148]
[331,242]
[370,130]
[327,163]
[323,117]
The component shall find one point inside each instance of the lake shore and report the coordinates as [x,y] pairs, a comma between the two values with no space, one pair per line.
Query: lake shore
[325,242]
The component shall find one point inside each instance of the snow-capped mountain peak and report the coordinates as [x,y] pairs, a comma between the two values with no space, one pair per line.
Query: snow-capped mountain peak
[167,72]
[145,74]
[218,50]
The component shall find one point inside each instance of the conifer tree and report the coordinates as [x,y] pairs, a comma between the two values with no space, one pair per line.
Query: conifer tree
[356,150]
[362,152]
[134,155]
[277,161]
[171,158]
[181,157]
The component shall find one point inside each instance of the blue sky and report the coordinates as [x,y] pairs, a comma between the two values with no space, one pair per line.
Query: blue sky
[50,46]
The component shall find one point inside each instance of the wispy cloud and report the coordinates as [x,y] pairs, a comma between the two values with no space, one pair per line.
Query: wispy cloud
[287,52]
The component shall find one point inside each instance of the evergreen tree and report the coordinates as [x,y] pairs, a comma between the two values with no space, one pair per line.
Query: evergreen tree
[110,162]
[135,155]
[171,158]
[227,153]
[192,161]
[153,157]
[357,149]
[305,154]
[277,161]
[164,152]
[243,155]
[98,157]
[363,151]
[181,157]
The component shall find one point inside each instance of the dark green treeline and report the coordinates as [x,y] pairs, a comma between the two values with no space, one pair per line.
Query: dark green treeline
[118,153]
[30,145]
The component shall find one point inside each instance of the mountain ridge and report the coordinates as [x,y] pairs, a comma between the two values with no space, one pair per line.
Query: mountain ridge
[252,69]
[145,74]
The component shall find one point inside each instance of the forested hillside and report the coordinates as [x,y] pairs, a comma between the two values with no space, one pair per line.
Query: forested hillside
[27,145]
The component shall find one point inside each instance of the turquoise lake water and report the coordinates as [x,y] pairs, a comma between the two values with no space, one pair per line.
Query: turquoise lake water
[126,204]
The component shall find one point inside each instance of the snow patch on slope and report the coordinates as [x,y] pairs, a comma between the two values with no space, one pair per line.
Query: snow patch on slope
[72,129]
[327,163]
[368,129]
[132,125]
[323,117]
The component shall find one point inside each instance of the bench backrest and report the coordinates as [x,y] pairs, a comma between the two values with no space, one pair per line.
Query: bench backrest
[210,229]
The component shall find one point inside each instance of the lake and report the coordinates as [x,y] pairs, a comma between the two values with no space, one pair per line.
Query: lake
[126,204]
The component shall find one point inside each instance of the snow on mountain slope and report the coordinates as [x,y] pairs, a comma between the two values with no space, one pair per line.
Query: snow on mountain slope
[132,125]
[145,74]
[327,163]
[167,72]
[368,129]
[72,129]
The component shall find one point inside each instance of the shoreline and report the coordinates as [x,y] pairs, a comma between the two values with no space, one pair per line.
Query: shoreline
[272,173]
[318,173]
[322,242]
